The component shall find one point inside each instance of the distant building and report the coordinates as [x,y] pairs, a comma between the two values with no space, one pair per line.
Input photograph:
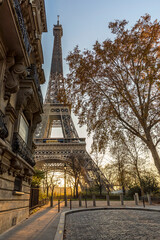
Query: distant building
[21,25]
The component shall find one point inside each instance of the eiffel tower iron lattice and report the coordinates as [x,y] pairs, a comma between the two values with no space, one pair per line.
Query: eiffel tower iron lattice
[55,152]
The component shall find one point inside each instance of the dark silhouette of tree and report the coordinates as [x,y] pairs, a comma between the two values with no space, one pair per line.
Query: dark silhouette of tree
[75,170]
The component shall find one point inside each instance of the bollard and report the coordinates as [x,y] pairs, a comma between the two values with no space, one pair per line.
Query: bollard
[51,203]
[86,202]
[80,201]
[121,199]
[135,199]
[70,203]
[58,205]
[107,198]
[149,199]
[94,201]
[143,202]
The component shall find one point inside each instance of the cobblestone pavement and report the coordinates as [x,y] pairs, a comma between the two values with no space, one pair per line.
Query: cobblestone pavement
[112,225]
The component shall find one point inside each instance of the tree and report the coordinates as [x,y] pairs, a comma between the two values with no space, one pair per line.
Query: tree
[37,177]
[116,85]
[134,152]
[70,183]
[97,158]
[128,166]
[50,180]
[120,166]
[149,182]
[53,183]
[75,170]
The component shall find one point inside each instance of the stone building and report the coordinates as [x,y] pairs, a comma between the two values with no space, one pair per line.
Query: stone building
[21,25]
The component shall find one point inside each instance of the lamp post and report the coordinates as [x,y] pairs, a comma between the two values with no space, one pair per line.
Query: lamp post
[65,196]
[86,195]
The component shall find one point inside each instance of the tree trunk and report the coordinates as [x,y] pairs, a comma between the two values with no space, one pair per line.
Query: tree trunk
[123,189]
[74,191]
[52,192]
[100,190]
[47,190]
[75,186]
[155,155]
[139,178]
[77,190]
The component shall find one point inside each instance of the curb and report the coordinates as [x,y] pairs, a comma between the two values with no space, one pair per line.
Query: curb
[60,228]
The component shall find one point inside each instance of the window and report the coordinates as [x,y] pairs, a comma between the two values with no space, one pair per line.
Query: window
[18,184]
[23,128]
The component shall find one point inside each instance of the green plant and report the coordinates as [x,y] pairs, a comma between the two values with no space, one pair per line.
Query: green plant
[37,177]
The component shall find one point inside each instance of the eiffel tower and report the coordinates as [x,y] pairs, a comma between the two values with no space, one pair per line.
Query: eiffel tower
[55,152]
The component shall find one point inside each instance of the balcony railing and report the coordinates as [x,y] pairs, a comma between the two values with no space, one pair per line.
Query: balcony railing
[22,26]
[21,148]
[60,140]
[3,128]
[32,74]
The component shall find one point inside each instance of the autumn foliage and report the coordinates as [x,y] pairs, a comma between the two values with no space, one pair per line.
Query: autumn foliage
[116,85]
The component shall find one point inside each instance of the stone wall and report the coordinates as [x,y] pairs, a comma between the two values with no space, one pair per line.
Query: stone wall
[14,208]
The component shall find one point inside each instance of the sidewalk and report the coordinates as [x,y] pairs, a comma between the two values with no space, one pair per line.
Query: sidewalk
[39,226]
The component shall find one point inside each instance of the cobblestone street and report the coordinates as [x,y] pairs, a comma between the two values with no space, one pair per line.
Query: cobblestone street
[113,225]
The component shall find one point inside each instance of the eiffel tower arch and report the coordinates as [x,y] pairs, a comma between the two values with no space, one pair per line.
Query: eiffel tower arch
[55,152]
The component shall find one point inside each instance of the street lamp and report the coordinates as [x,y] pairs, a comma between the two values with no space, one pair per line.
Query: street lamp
[65,196]
[86,195]
[86,189]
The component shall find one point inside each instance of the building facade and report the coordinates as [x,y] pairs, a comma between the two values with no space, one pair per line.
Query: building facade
[21,25]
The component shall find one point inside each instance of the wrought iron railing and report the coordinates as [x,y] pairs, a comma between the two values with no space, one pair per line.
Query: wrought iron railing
[22,26]
[21,148]
[3,128]
[32,74]
[59,140]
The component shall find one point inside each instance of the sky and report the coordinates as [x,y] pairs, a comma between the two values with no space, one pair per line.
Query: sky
[84,22]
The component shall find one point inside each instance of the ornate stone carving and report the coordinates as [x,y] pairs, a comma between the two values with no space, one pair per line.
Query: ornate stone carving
[28,172]
[12,75]
[3,128]
[3,168]
[16,164]
[11,111]
[24,96]
[36,120]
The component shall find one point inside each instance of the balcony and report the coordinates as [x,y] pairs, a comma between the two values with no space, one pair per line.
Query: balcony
[22,26]
[21,148]
[32,74]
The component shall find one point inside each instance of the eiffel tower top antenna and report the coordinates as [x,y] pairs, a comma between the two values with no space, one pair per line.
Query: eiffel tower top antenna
[58,19]
[56,73]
